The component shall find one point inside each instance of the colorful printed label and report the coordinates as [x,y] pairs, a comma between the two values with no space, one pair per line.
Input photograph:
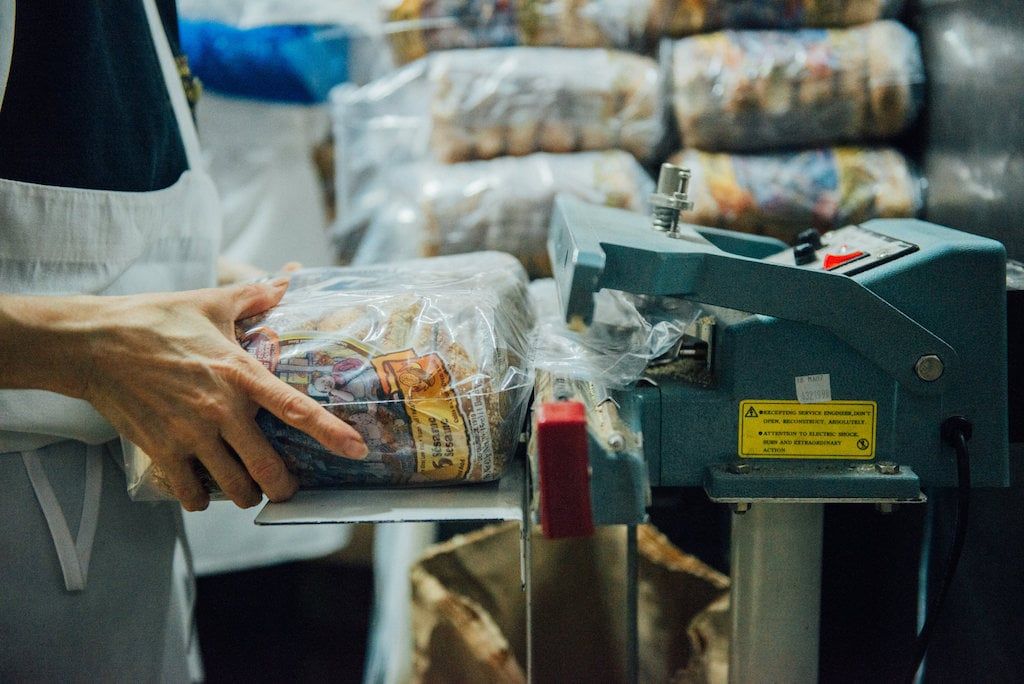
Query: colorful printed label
[403,405]
[436,424]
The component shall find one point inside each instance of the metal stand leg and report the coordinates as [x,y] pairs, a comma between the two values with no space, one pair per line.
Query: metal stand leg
[776,593]
[632,603]
[526,573]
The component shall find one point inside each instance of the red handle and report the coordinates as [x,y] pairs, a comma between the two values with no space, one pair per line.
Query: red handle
[563,467]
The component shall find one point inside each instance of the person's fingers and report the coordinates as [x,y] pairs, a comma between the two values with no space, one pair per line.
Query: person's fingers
[291,267]
[253,298]
[229,474]
[260,459]
[230,272]
[302,412]
[225,305]
[184,484]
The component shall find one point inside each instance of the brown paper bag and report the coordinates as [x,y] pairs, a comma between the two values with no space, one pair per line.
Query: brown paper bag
[469,612]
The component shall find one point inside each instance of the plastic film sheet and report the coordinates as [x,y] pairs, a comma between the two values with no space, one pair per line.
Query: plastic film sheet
[628,332]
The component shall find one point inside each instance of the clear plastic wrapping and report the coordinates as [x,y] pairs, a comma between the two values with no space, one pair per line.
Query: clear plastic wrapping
[479,104]
[585,23]
[429,360]
[783,193]
[417,27]
[637,24]
[685,17]
[501,204]
[754,90]
[489,103]
[627,333]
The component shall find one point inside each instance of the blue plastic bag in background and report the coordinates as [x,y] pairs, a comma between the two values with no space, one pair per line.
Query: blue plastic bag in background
[279,63]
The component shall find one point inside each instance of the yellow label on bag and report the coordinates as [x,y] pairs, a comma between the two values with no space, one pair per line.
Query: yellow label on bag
[789,429]
[438,429]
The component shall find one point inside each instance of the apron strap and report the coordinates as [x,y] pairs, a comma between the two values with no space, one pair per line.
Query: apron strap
[74,554]
[172,79]
[6,44]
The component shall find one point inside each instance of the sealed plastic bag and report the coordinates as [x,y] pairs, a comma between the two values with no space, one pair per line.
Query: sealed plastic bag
[478,104]
[428,360]
[489,103]
[783,193]
[501,204]
[586,23]
[417,27]
[752,90]
[686,17]
[637,24]
[474,104]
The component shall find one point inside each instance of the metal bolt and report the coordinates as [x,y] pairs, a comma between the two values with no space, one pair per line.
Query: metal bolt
[616,442]
[929,368]
[740,507]
[739,468]
[670,198]
[885,508]
[887,468]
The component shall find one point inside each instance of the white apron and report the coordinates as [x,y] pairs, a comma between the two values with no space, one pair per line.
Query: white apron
[89,581]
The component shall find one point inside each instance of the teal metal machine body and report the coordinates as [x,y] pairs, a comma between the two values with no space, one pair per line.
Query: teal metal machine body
[939,296]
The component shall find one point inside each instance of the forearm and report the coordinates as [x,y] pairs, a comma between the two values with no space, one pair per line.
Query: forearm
[44,342]
[167,372]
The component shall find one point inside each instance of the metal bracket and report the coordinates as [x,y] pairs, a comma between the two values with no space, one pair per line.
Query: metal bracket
[810,482]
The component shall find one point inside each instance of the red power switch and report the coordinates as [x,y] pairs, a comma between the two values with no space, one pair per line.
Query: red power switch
[836,260]
[563,470]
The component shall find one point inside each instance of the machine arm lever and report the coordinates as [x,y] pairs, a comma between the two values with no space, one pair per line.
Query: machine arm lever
[597,247]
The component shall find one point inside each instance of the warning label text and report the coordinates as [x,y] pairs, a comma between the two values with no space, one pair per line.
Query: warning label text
[789,429]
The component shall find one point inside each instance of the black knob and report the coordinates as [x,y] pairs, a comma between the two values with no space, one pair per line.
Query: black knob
[803,253]
[810,237]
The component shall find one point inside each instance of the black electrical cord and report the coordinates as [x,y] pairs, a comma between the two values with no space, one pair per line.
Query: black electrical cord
[956,432]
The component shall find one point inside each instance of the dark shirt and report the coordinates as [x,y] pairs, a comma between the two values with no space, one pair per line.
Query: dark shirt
[86,103]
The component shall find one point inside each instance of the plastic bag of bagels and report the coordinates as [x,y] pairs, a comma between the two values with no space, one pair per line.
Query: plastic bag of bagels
[427,359]
[754,90]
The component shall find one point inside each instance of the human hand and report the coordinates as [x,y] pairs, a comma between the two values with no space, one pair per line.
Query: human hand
[232,272]
[167,372]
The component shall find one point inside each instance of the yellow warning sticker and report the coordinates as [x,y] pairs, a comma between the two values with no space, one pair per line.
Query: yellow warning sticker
[789,429]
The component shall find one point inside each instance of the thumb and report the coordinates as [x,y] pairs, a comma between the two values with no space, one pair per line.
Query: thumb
[253,298]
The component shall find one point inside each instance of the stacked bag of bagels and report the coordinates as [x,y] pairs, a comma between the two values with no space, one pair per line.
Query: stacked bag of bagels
[464,147]
[786,111]
[787,129]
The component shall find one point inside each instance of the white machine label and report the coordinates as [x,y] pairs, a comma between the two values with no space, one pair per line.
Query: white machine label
[813,389]
[791,429]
